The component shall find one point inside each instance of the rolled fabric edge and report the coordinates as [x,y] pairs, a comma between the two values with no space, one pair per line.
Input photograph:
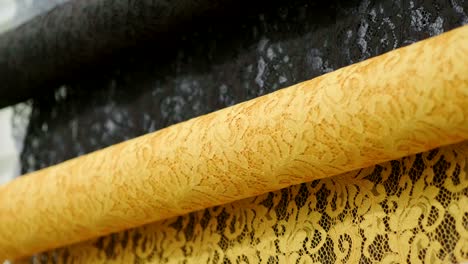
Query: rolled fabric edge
[404,102]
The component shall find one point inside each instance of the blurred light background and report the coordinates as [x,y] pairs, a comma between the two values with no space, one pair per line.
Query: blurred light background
[13,13]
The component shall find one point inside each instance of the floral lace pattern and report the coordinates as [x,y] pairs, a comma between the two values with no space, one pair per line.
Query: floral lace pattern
[352,118]
[412,210]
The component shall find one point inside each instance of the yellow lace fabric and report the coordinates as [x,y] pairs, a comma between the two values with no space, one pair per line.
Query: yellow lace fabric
[412,210]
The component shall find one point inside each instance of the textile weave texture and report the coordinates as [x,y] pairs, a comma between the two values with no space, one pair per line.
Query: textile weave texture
[411,210]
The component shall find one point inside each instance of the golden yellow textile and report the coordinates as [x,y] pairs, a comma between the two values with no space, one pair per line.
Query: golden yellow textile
[412,210]
[374,111]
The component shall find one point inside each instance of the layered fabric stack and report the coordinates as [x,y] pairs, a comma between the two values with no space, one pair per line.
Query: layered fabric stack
[363,163]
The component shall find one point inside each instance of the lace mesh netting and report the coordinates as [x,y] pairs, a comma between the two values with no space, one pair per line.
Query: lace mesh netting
[222,65]
[412,210]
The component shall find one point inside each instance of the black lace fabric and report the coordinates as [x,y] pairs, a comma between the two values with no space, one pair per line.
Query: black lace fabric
[341,219]
[223,65]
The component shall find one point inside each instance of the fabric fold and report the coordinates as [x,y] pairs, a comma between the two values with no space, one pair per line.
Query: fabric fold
[378,110]
[77,38]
